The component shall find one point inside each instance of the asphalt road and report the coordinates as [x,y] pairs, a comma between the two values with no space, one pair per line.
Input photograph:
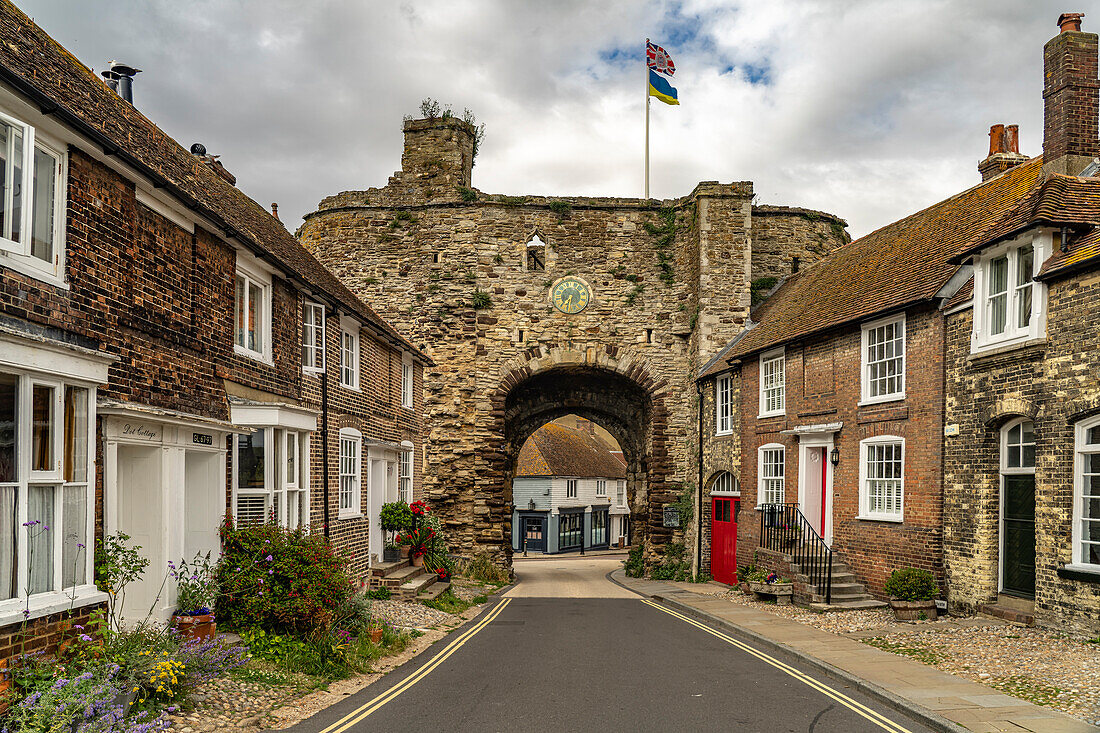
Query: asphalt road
[610,663]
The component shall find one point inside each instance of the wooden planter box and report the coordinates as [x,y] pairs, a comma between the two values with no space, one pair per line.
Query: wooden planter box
[914,610]
[782,592]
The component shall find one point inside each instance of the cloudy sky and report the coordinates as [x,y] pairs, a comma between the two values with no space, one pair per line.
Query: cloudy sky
[869,109]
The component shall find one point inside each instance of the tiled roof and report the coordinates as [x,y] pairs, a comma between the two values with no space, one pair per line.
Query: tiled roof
[1083,252]
[1058,200]
[557,450]
[893,267]
[35,64]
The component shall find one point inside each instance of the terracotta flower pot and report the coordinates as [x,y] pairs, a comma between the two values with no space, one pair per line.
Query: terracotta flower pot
[375,634]
[200,628]
[418,561]
[914,610]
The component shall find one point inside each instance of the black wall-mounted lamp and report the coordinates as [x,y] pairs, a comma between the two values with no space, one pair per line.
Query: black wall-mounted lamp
[834,456]
[531,505]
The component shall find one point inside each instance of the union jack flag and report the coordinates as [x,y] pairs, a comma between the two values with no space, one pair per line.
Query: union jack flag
[657,59]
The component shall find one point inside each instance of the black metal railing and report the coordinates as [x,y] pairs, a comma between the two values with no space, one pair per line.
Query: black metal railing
[784,529]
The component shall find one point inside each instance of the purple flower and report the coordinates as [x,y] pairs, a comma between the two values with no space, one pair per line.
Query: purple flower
[270,572]
[78,627]
[30,523]
[26,612]
[85,637]
[267,542]
[80,545]
[269,558]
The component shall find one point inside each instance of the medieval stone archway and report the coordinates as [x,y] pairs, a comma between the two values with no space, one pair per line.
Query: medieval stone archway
[631,408]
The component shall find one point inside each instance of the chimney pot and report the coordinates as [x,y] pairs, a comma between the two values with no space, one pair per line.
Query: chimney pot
[275,211]
[996,139]
[1070,22]
[124,74]
[1012,139]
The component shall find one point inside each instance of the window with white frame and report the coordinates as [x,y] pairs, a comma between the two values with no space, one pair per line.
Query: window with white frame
[407,381]
[620,492]
[349,354]
[405,476]
[272,477]
[252,324]
[1018,450]
[1086,505]
[883,363]
[1009,305]
[726,483]
[723,405]
[351,470]
[772,384]
[46,504]
[601,487]
[313,337]
[571,488]
[771,488]
[881,478]
[31,226]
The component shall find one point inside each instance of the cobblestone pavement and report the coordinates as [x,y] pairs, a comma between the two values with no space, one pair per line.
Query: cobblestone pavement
[1034,664]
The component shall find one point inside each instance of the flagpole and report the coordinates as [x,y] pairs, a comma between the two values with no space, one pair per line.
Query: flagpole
[647,120]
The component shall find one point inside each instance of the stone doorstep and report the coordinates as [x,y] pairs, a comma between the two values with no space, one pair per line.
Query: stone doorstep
[386,568]
[434,591]
[411,589]
[1016,616]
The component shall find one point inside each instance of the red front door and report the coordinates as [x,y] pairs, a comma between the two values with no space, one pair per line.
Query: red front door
[723,539]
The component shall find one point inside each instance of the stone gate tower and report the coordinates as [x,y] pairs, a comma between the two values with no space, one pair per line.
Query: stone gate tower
[469,277]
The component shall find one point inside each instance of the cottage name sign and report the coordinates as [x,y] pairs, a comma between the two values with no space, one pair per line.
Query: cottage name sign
[140,431]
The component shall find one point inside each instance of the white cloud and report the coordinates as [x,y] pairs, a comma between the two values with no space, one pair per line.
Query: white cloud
[869,109]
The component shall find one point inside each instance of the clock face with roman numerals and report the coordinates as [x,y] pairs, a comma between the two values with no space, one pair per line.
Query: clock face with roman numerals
[570,295]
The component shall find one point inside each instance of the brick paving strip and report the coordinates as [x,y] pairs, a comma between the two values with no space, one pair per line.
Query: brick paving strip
[937,699]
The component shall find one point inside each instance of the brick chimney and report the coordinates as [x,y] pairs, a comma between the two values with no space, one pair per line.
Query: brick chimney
[439,152]
[1004,151]
[1071,95]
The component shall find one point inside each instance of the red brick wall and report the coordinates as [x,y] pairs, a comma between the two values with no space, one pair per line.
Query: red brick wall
[823,386]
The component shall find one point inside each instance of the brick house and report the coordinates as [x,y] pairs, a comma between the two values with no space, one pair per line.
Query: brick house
[1022,434]
[928,414]
[168,353]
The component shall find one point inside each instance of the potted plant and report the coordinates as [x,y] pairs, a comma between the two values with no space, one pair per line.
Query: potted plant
[395,517]
[763,584]
[913,594]
[418,541]
[196,590]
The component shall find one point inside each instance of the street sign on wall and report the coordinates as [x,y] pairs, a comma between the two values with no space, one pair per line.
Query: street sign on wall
[672,516]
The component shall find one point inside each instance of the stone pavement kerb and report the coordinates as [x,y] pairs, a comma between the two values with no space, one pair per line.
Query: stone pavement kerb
[937,699]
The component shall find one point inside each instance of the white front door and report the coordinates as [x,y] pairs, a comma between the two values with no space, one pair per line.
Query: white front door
[815,486]
[140,512]
[204,503]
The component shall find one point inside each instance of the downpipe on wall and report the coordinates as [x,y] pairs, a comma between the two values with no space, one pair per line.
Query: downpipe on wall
[698,563]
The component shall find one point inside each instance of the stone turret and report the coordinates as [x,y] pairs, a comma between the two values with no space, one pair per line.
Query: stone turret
[439,153]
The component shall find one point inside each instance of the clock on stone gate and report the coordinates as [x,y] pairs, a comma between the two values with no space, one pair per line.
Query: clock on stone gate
[570,295]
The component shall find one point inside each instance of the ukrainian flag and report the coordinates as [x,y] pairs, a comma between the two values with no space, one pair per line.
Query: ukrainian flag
[661,89]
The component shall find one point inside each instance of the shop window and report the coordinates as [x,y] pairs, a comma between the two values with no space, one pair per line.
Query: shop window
[599,528]
[570,530]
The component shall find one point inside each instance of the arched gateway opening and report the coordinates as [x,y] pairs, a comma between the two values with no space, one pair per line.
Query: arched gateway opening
[628,405]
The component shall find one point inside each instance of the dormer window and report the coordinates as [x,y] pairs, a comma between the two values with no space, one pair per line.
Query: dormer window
[1009,306]
[536,254]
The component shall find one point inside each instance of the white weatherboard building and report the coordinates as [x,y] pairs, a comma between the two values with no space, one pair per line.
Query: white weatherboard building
[569,492]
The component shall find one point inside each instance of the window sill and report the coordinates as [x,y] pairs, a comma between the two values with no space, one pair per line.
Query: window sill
[51,603]
[313,370]
[881,400]
[872,518]
[352,387]
[254,355]
[1004,347]
[408,407]
[349,515]
[1080,571]
[723,433]
[766,415]
[23,268]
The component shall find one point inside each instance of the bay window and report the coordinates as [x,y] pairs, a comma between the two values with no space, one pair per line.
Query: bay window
[1009,306]
[45,502]
[272,477]
[31,226]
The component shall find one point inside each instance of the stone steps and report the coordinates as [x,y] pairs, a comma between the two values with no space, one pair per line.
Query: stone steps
[434,591]
[847,593]
[410,590]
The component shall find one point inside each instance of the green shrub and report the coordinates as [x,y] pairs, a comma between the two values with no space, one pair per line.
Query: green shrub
[912,584]
[279,579]
[379,594]
[561,208]
[634,566]
[395,517]
[481,568]
[448,602]
[674,566]
[468,194]
[480,300]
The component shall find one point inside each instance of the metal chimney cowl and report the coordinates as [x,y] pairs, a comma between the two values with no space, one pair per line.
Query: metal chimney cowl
[120,78]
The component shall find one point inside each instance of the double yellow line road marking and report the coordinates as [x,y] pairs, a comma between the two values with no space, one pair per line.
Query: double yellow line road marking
[345,723]
[880,720]
[359,714]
